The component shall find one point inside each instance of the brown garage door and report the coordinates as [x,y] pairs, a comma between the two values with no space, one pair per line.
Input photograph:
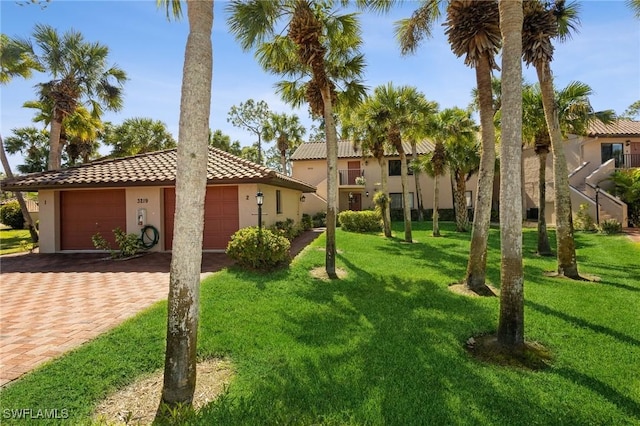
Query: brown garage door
[220,216]
[84,213]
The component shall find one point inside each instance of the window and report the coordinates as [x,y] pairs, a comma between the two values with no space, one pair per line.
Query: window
[612,150]
[278,201]
[396,200]
[394,168]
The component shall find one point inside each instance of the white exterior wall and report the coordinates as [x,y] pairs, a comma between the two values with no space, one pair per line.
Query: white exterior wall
[151,200]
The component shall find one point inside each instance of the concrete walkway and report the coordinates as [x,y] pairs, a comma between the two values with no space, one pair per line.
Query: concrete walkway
[52,303]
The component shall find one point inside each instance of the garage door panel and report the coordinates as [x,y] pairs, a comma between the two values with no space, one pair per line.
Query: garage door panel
[221,217]
[85,213]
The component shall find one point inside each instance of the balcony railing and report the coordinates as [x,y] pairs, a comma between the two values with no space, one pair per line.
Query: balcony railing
[349,177]
[630,161]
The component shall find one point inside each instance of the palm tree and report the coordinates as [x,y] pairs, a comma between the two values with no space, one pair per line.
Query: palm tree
[137,136]
[16,60]
[574,114]
[473,31]
[287,131]
[400,111]
[635,6]
[191,181]
[510,333]
[458,131]
[435,164]
[321,45]
[79,74]
[544,22]
[369,137]
[33,145]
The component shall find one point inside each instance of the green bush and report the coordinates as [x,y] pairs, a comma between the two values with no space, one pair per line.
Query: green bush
[610,226]
[583,220]
[256,249]
[307,222]
[11,215]
[319,219]
[363,221]
[128,244]
[287,228]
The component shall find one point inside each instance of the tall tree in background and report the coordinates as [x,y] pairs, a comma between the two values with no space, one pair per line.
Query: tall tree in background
[635,6]
[79,73]
[320,49]
[137,135]
[252,116]
[287,131]
[191,181]
[33,145]
[459,133]
[544,22]
[16,60]
[219,140]
[511,322]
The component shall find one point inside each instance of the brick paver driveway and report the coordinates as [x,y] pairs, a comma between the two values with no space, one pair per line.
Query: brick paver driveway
[51,303]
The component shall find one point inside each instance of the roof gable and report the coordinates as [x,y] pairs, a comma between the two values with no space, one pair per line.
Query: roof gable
[318,150]
[153,169]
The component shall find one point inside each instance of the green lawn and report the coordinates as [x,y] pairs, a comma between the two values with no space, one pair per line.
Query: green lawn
[385,345]
[10,240]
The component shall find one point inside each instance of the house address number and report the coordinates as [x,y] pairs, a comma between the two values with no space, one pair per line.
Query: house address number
[143,200]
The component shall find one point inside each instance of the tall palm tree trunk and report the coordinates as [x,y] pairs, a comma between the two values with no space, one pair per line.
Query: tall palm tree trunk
[436,205]
[462,216]
[191,181]
[567,262]
[477,264]
[416,176]
[384,187]
[544,248]
[332,182]
[23,206]
[511,322]
[55,147]
[283,161]
[404,172]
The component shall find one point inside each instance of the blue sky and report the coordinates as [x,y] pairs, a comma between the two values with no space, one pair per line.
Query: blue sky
[605,54]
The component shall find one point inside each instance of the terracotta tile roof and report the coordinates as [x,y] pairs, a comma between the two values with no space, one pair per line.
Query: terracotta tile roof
[153,169]
[620,127]
[318,150]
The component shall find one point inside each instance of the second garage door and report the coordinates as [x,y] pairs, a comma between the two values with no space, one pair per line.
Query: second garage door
[220,216]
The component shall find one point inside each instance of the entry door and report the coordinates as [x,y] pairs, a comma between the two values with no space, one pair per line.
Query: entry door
[356,202]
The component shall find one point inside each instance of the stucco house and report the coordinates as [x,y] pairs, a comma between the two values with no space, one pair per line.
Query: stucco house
[359,177]
[591,160]
[133,192]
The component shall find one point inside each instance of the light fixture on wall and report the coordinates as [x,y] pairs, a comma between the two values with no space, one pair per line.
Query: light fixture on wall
[259,201]
[247,198]
[302,198]
[628,142]
[367,194]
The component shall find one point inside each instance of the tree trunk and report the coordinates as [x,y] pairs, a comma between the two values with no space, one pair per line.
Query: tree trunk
[544,248]
[283,161]
[477,264]
[511,323]
[55,147]
[462,216]
[332,182]
[406,206]
[23,206]
[416,176]
[384,179]
[436,205]
[191,181]
[567,262]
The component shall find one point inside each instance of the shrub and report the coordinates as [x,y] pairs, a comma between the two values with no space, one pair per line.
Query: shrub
[610,226]
[11,215]
[363,221]
[307,222]
[287,229]
[319,219]
[128,244]
[256,249]
[584,221]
